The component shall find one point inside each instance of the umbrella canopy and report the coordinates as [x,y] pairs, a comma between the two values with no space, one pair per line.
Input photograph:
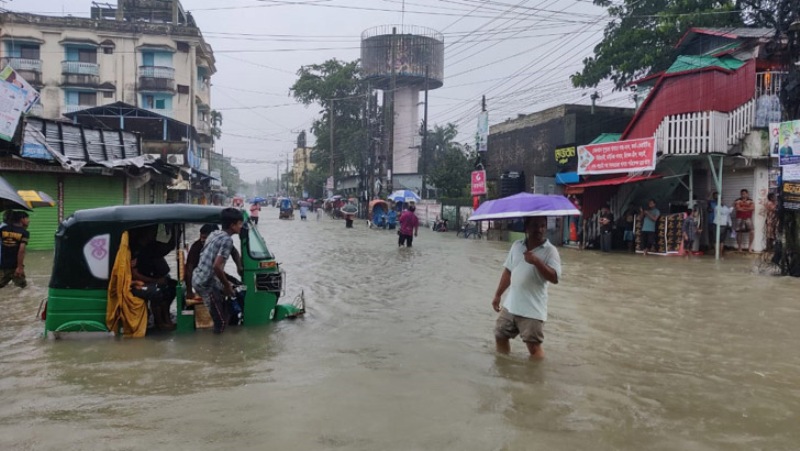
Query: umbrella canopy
[350,209]
[36,199]
[258,200]
[523,205]
[9,198]
[304,203]
[404,195]
[380,202]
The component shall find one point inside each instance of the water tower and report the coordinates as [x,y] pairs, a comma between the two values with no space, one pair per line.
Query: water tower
[402,60]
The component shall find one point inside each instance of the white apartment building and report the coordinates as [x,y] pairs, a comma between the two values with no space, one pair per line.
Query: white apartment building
[146,53]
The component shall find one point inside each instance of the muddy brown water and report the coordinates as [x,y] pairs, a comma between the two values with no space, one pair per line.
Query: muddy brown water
[396,353]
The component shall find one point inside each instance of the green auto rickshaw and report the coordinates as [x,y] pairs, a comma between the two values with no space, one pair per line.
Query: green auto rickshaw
[86,248]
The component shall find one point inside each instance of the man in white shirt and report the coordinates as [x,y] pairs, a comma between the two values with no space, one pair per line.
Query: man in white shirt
[530,265]
[722,218]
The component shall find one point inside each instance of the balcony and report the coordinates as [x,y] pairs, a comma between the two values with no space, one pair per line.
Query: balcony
[71,108]
[203,127]
[29,69]
[79,73]
[704,132]
[768,103]
[156,78]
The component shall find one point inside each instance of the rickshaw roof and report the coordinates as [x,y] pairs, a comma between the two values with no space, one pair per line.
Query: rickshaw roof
[146,214]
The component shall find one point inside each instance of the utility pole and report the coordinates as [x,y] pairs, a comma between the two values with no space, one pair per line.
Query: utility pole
[331,122]
[287,174]
[424,154]
[392,89]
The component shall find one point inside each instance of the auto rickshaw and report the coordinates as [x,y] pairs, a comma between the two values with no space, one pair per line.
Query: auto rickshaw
[286,209]
[86,248]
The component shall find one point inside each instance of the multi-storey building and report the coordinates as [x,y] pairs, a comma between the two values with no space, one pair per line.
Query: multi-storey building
[301,165]
[146,53]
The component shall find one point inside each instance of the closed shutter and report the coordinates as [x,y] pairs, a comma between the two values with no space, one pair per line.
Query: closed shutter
[732,185]
[92,191]
[44,220]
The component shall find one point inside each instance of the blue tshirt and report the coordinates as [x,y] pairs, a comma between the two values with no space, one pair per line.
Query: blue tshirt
[648,225]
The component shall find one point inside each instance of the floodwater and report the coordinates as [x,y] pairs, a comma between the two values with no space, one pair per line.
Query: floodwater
[396,352]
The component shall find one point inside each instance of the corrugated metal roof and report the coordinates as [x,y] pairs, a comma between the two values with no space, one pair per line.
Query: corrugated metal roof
[686,63]
[607,138]
[740,32]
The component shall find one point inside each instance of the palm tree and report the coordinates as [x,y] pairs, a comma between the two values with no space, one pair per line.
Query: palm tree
[216,125]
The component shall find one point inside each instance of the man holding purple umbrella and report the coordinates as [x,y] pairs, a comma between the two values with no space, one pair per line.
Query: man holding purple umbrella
[531,264]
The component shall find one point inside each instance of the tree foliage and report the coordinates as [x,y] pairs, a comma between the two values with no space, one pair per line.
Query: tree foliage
[641,36]
[448,162]
[335,85]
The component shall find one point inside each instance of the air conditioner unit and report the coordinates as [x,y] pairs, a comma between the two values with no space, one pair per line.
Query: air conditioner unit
[175,159]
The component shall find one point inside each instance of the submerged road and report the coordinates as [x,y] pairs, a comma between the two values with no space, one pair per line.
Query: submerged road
[396,353]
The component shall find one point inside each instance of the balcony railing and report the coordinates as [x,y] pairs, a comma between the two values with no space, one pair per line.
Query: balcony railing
[705,131]
[157,72]
[71,108]
[23,64]
[768,102]
[79,68]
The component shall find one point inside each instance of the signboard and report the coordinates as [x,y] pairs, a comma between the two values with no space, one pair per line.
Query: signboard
[9,75]
[791,195]
[12,99]
[791,173]
[774,131]
[478,183]
[567,158]
[788,143]
[482,135]
[617,157]
[329,183]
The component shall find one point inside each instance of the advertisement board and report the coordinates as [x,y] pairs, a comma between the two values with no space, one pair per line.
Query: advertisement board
[791,195]
[788,143]
[482,135]
[567,158]
[617,157]
[478,183]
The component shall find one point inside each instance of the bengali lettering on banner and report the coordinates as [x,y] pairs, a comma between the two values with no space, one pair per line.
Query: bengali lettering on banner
[617,157]
[478,183]
[791,195]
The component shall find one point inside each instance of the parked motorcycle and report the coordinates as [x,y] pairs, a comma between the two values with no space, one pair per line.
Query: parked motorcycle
[440,225]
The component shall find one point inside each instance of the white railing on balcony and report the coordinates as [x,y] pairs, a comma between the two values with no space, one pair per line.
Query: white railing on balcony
[71,108]
[768,102]
[769,83]
[23,64]
[705,131]
[79,68]
[157,72]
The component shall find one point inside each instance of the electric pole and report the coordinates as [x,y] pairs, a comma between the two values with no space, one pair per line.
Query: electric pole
[424,154]
[331,122]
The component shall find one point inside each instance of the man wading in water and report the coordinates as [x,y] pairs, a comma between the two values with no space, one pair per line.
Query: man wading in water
[530,265]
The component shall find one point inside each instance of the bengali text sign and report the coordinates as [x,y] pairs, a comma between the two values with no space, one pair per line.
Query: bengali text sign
[617,157]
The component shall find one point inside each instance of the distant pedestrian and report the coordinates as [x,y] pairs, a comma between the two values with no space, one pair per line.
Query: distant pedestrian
[15,236]
[722,222]
[255,210]
[319,213]
[606,222]
[531,264]
[649,226]
[409,224]
[628,236]
[689,230]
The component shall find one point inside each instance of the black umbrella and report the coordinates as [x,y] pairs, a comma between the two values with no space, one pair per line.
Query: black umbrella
[9,198]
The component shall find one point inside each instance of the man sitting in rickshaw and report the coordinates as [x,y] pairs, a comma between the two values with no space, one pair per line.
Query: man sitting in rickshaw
[150,274]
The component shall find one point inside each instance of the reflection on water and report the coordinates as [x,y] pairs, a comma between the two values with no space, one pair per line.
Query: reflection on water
[396,352]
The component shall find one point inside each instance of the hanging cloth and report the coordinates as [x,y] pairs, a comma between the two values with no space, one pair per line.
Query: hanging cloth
[123,308]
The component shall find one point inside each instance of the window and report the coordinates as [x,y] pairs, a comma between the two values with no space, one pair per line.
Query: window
[183,46]
[87,98]
[82,55]
[183,89]
[160,104]
[108,94]
[148,59]
[148,102]
[108,50]
[29,52]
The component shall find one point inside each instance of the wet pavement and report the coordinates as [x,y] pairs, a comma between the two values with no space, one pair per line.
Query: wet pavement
[396,353]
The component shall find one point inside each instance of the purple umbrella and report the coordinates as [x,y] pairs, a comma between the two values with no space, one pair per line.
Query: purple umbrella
[523,205]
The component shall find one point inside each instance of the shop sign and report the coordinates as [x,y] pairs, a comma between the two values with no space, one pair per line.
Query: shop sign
[617,157]
[478,183]
[788,143]
[567,158]
[482,133]
[791,173]
[791,195]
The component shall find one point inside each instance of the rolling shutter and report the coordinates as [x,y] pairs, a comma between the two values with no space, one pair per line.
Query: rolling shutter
[92,191]
[732,185]
[44,221]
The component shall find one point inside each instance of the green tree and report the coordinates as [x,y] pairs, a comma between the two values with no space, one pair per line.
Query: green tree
[216,125]
[335,86]
[450,164]
[641,36]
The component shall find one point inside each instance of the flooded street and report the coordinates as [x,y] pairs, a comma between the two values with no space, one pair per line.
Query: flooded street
[396,352]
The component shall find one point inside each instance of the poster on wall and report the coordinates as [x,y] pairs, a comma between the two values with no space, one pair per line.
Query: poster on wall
[9,75]
[791,195]
[617,157]
[774,131]
[12,100]
[789,143]
[482,135]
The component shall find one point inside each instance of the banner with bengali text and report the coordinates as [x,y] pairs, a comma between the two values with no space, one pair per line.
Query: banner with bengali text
[617,157]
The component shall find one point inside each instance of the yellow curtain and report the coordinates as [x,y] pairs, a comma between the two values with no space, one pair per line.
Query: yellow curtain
[123,308]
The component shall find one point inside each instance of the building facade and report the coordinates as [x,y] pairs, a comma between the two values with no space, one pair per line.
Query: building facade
[148,54]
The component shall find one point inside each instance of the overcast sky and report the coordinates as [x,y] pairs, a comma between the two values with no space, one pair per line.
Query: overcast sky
[519,53]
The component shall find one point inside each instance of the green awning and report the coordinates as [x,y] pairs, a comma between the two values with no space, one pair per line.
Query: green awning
[607,138]
[686,63]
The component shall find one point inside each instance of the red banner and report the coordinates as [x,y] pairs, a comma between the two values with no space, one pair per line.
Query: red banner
[617,157]
[478,183]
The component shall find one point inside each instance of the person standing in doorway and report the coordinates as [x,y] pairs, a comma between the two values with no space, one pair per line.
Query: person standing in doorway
[531,264]
[606,221]
[255,210]
[649,223]
[743,208]
[209,279]
[15,238]
[409,224]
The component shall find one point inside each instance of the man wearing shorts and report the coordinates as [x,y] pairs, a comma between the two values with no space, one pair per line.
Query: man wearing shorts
[530,265]
[649,226]
[744,208]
